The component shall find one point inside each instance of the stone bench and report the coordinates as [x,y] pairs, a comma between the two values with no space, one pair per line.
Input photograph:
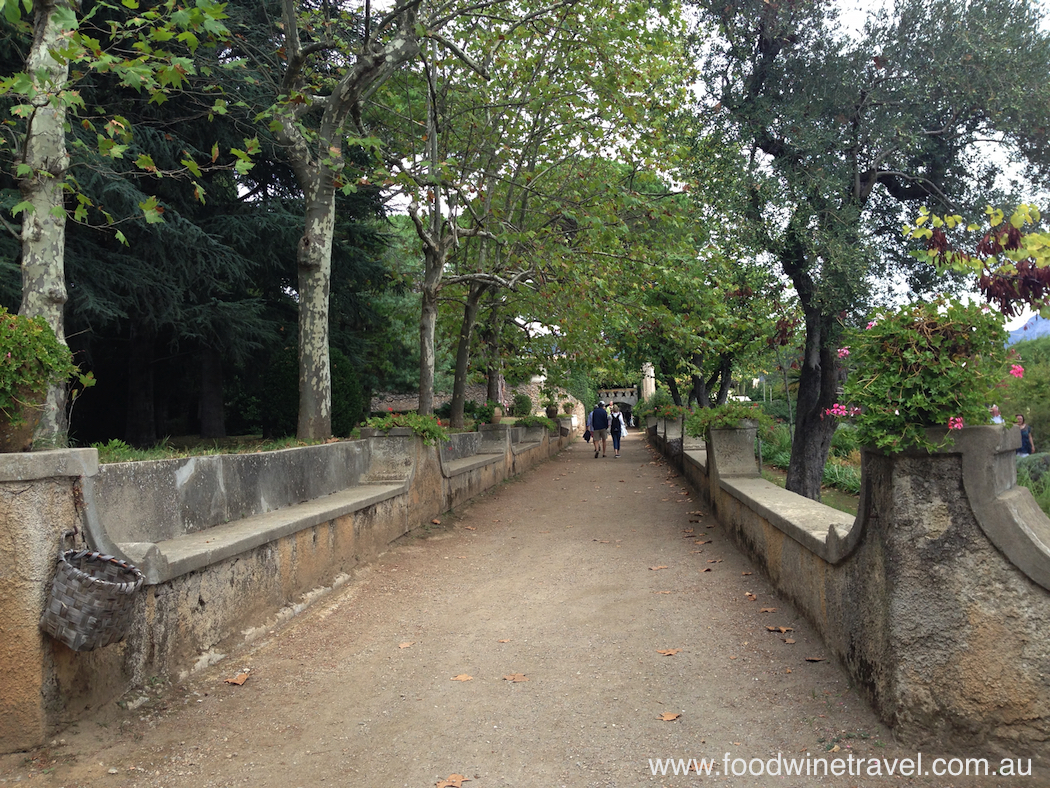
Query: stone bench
[173,517]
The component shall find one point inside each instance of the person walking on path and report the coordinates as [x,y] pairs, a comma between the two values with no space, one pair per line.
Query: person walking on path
[599,427]
[617,428]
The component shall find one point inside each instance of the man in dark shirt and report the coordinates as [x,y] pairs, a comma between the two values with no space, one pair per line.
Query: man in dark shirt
[599,427]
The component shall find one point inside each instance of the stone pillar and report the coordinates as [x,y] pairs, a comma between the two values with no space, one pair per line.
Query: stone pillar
[38,494]
[966,628]
[648,381]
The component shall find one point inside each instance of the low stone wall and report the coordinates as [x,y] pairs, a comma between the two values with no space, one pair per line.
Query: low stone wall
[229,546]
[934,598]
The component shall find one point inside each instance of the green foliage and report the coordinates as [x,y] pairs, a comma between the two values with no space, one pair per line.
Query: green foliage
[31,360]
[1028,395]
[845,441]
[280,405]
[116,450]
[928,364]
[579,385]
[728,415]
[776,451]
[349,401]
[649,407]
[522,405]
[1037,483]
[779,409]
[537,421]
[426,427]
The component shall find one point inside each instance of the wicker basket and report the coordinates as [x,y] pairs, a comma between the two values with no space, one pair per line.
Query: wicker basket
[91,600]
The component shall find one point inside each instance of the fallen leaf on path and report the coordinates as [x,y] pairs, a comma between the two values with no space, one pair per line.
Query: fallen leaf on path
[789,641]
[669,716]
[751,596]
[504,641]
[703,541]
[515,677]
[768,610]
[668,652]
[732,657]
[745,574]
[707,569]
[655,568]
[814,659]
[469,528]
[601,541]
[436,521]
[239,679]
[453,781]
[462,677]
[714,560]
[836,748]
[781,630]
[661,592]
[406,644]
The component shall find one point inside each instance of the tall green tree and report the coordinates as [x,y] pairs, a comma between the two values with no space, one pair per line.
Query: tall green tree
[150,52]
[846,133]
[506,182]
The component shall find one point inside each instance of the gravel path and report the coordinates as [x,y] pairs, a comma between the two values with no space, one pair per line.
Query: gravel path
[564,629]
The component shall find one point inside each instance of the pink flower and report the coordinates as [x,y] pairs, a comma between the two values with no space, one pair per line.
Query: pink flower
[871,325]
[955,423]
[1017,371]
[843,351]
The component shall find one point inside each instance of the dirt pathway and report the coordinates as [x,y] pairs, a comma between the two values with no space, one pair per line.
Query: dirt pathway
[535,638]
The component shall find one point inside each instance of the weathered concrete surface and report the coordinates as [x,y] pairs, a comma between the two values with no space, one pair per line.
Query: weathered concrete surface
[919,596]
[245,551]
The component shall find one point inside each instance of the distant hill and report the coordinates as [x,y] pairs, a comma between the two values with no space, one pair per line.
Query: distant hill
[1033,329]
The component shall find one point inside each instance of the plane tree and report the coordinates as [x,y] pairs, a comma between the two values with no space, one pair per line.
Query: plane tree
[505,159]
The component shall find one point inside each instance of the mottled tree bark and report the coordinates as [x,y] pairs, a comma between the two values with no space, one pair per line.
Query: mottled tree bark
[44,224]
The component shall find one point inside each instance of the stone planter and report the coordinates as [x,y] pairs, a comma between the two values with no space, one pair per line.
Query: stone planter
[551,412]
[394,432]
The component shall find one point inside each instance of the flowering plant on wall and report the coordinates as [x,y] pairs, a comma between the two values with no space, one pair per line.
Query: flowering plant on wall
[926,364]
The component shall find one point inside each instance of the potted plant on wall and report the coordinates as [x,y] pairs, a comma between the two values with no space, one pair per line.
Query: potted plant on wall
[919,373]
[31,361]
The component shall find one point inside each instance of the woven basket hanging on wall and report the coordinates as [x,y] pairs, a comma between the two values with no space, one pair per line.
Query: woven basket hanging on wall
[91,600]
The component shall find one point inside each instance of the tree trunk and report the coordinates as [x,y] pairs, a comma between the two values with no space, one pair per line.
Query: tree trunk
[427,332]
[817,391]
[44,225]
[672,386]
[140,428]
[466,331]
[315,274]
[212,419]
[725,370]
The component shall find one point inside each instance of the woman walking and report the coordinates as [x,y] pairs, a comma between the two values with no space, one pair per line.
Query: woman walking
[617,428]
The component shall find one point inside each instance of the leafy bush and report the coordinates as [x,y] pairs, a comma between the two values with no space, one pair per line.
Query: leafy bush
[728,415]
[537,421]
[845,441]
[426,427]
[648,407]
[778,409]
[926,364]
[1039,485]
[522,405]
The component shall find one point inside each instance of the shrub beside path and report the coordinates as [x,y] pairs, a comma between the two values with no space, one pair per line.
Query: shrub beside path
[568,628]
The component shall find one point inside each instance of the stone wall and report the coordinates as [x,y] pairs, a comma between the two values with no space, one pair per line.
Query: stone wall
[935,598]
[229,546]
